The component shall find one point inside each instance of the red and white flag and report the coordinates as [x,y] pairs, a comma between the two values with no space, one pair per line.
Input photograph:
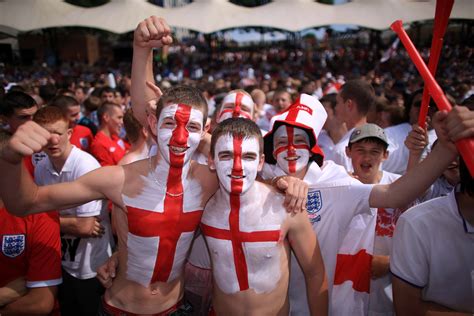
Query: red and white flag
[350,294]
[391,51]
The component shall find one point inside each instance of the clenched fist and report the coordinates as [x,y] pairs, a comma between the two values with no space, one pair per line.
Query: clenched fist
[152,32]
[28,139]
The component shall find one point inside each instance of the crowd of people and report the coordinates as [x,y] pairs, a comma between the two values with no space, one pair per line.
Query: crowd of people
[241,182]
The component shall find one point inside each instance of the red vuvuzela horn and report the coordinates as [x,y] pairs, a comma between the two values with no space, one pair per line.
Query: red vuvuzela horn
[443,11]
[465,146]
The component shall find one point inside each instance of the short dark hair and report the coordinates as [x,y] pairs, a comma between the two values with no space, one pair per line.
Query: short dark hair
[105,108]
[282,91]
[329,98]
[16,100]
[361,92]
[47,92]
[239,126]
[182,94]
[132,126]
[63,102]
[92,103]
[106,89]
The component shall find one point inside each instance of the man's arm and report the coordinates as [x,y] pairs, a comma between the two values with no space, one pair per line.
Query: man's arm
[150,33]
[22,196]
[417,180]
[306,247]
[380,266]
[38,301]
[12,291]
[82,226]
[408,301]
[295,190]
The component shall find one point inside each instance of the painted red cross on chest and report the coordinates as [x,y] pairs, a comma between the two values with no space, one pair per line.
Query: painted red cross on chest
[172,222]
[234,234]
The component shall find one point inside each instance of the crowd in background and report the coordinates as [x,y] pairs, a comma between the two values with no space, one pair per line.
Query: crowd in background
[274,78]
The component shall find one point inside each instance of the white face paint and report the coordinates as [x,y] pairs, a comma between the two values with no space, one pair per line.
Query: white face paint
[236,104]
[179,133]
[236,162]
[291,148]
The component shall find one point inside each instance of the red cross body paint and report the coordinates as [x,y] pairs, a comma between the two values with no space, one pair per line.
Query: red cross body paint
[162,218]
[242,240]
[175,142]
[291,155]
[236,104]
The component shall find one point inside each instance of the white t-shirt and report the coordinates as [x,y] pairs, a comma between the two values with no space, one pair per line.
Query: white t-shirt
[334,199]
[433,249]
[81,256]
[398,152]
[379,302]
[441,187]
[325,142]
[268,112]
[338,152]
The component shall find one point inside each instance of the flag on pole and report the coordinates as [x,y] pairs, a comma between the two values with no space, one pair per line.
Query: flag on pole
[391,51]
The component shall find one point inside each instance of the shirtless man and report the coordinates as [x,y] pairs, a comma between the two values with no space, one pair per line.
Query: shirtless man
[248,232]
[154,32]
[167,190]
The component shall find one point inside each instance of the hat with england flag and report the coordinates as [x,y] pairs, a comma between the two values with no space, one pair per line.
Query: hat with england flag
[306,113]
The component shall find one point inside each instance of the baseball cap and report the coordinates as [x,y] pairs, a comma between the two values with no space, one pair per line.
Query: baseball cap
[368,131]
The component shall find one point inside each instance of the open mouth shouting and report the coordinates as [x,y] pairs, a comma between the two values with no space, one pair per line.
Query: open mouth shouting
[366,166]
[177,150]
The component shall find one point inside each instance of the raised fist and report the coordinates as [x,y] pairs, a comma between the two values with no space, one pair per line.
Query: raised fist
[28,139]
[152,32]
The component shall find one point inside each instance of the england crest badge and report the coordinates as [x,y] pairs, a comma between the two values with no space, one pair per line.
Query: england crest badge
[314,205]
[84,143]
[13,245]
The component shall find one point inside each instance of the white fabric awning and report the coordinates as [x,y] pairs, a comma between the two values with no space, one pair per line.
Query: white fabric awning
[207,16]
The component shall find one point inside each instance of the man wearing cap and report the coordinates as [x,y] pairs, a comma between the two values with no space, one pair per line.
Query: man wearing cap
[334,197]
[369,233]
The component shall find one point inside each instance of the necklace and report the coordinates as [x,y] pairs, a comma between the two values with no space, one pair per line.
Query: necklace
[152,171]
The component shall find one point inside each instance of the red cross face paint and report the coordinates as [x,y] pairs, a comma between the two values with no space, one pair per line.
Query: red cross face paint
[179,133]
[236,104]
[236,161]
[291,148]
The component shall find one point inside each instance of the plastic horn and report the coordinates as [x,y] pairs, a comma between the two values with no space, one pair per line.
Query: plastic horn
[443,11]
[465,146]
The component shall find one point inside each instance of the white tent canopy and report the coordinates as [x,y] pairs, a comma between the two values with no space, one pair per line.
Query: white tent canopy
[207,16]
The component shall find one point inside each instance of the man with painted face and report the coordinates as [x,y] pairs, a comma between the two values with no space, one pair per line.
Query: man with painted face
[154,32]
[335,198]
[161,198]
[237,103]
[248,231]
